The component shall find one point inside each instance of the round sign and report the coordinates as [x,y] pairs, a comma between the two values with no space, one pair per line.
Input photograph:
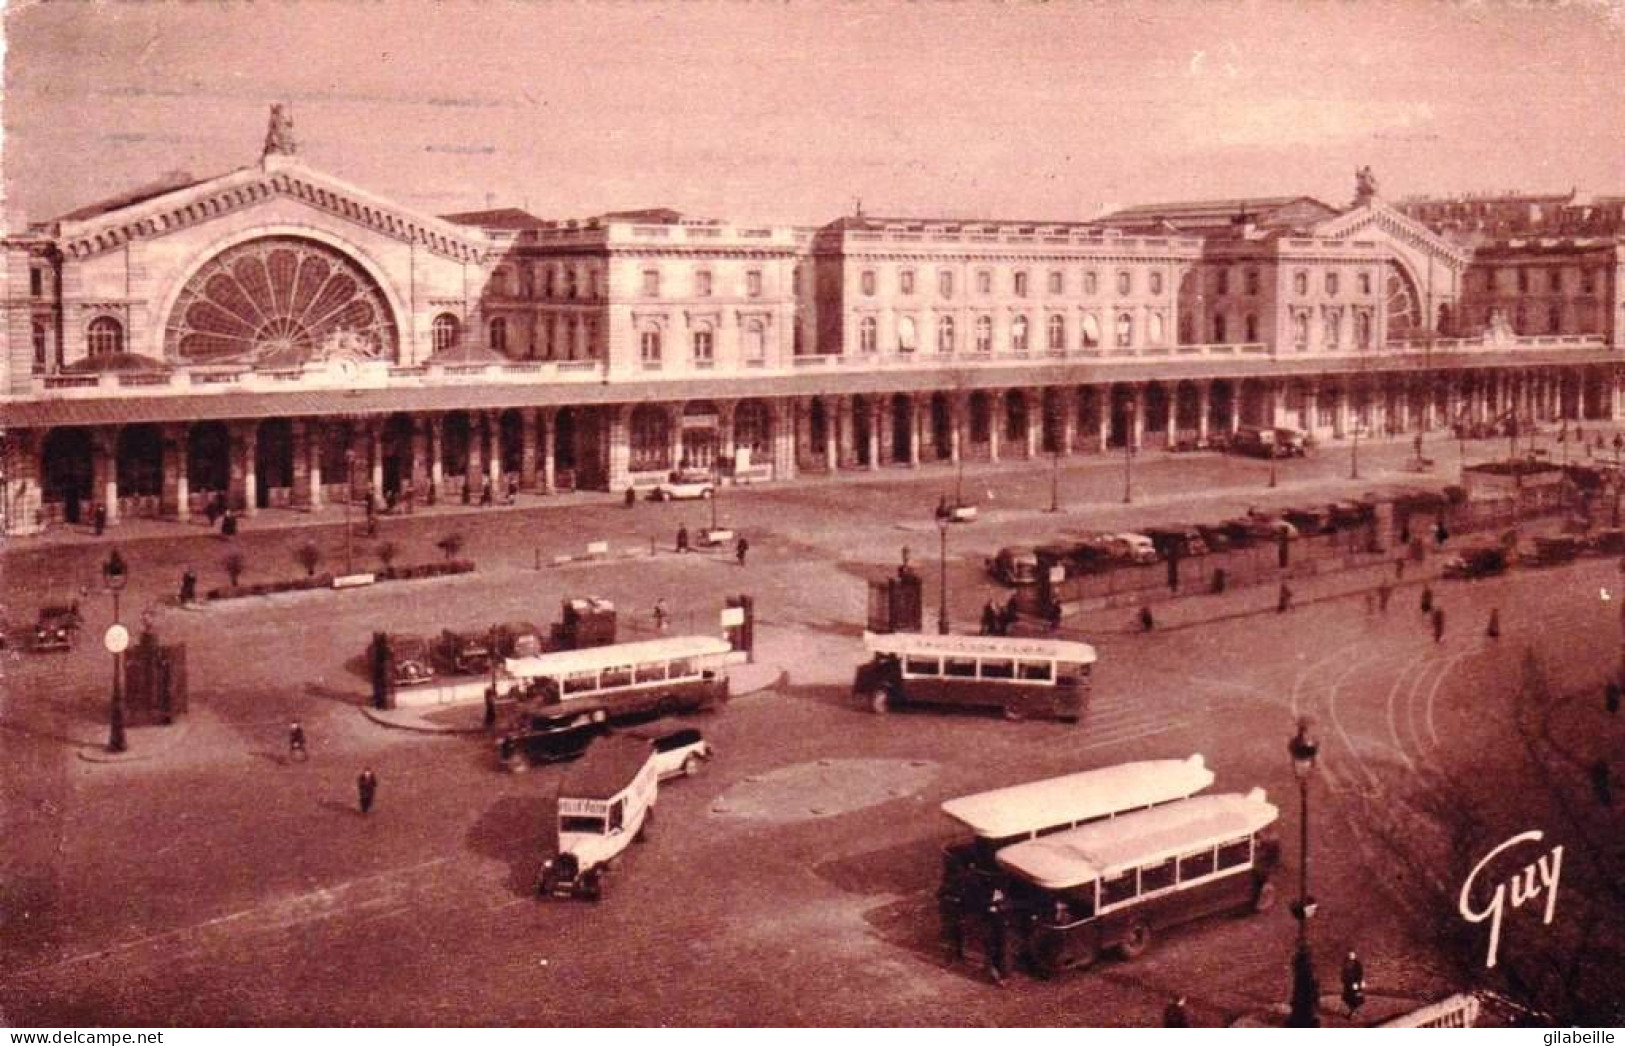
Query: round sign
[117,639]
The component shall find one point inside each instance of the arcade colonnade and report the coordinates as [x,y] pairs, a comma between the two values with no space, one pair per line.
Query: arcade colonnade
[172,470]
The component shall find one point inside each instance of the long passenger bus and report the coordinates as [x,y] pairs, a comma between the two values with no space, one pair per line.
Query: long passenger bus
[1020,677]
[659,676]
[1006,816]
[1114,884]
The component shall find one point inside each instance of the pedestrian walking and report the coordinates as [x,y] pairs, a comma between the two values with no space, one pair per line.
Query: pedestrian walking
[211,511]
[1176,1015]
[99,519]
[1494,629]
[1611,698]
[490,708]
[296,743]
[740,548]
[1147,622]
[631,497]
[1385,592]
[942,508]
[682,538]
[366,786]
[1427,599]
[997,944]
[188,586]
[661,615]
[228,524]
[1283,601]
[1353,983]
[1438,624]
[487,493]
[990,619]
[513,489]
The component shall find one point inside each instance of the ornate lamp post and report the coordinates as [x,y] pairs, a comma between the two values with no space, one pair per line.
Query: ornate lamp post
[349,496]
[942,606]
[1305,1012]
[115,575]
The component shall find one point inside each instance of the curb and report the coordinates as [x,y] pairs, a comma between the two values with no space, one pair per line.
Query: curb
[417,726]
[98,754]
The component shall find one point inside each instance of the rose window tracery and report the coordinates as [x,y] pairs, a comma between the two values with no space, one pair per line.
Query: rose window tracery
[280,302]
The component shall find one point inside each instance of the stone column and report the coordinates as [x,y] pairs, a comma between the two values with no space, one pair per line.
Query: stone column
[1341,412]
[493,456]
[1136,433]
[619,465]
[675,413]
[1278,404]
[527,450]
[1034,432]
[995,424]
[546,419]
[874,433]
[1170,433]
[375,458]
[956,416]
[725,432]
[104,470]
[474,468]
[176,502]
[832,445]
[20,481]
[241,483]
[436,424]
[1066,414]
[418,471]
[299,496]
[1103,418]
[1204,394]
[784,439]
[314,439]
[914,432]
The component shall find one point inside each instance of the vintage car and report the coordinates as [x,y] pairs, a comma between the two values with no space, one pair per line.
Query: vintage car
[1133,548]
[605,802]
[1350,515]
[1015,565]
[680,751]
[518,639]
[1564,549]
[1308,520]
[1475,563]
[413,660]
[551,738]
[1180,541]
[1291,443]
[687,485]
[1609,541]
[1214,536]
[466,653]
[57,627]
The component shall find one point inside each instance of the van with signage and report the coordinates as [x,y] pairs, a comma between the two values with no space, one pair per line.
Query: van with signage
[605,802]
[1018,676]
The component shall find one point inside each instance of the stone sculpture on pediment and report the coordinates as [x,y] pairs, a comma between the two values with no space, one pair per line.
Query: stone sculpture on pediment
[279,139]
[1365,184]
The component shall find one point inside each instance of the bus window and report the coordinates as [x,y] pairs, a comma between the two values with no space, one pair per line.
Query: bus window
[998,669]
[960,668]
[1236,853]
[1196,865]
[1117,889]
[546,689]
[620,675]
[580,683]
[922,666]
[682,668]
[1157,876]
[654,672]
[1036,671]
[582,825]
[617,815]
[1081,902]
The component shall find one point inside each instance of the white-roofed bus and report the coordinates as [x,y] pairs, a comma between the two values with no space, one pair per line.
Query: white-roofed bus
[1020,677]
[625,680]
[1114,884]
[1006,816]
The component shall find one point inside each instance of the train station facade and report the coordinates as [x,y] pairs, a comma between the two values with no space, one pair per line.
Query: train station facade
[285,339]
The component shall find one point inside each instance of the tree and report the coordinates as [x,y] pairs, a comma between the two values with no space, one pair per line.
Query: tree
[309,557]
[235,564]
[386,552]
[451,544]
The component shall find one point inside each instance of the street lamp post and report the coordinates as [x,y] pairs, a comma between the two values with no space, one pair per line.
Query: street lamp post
[942,580]
[349,495]
[115,574]
[1305,1012]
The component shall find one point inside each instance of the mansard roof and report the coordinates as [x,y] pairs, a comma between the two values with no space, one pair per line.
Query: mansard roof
[157,211]
[1297,212]
[499,218]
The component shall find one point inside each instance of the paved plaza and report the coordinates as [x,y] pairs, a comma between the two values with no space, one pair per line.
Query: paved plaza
[203,879]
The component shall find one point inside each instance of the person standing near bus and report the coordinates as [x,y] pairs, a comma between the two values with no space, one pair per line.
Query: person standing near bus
[998,958]
[366,785]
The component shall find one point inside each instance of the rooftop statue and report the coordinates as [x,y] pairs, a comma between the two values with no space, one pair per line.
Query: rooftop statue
[279,133]
[1365,183]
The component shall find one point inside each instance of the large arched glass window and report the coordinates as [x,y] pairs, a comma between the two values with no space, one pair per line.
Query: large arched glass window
[1057,334]
[868,334]
[906,334]
[499,336]
[984,334]
[105,337]
[945,334]
[444,332]
[1125,330]
[651,438]
[1018,334]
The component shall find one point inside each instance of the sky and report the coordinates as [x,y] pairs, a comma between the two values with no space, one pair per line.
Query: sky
[791,112]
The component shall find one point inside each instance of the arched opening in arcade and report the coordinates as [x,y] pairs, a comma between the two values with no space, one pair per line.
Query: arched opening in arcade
[1221,405]
[1187,413]
[981,420]
[456,443]
[337,441]
[1015,417]
[942,426]
[140,470]
[818,424]
[862,428]
[208,462]
[1155,431]
[67,474]
[650,438]
[753,436]
[1087,401]
[902,428]
[1122,419]
[396,446]
[701,423]
[1051,420]
[273,464]
[511,443]
[1301,406]
[1256,408]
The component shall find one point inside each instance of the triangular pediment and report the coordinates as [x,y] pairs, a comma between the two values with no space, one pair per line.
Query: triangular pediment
[280,177]
[1374,217]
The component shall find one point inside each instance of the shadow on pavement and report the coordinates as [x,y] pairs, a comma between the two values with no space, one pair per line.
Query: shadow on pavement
[514,830]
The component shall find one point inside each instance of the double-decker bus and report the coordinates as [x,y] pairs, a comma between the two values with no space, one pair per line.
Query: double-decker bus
[1020,677]
[1114,883]
[655,676]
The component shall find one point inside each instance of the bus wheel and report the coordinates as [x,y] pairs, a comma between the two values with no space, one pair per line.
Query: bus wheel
[880,701]
[1046,957]
[1138,940]
[692,766]
[1264,900]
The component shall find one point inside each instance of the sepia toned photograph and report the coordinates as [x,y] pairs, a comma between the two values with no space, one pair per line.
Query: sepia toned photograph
[812,514]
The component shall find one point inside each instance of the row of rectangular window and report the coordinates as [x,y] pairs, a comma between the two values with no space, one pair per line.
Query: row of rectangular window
[869,283]
[702,283]
[702,342]
[1554,280]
